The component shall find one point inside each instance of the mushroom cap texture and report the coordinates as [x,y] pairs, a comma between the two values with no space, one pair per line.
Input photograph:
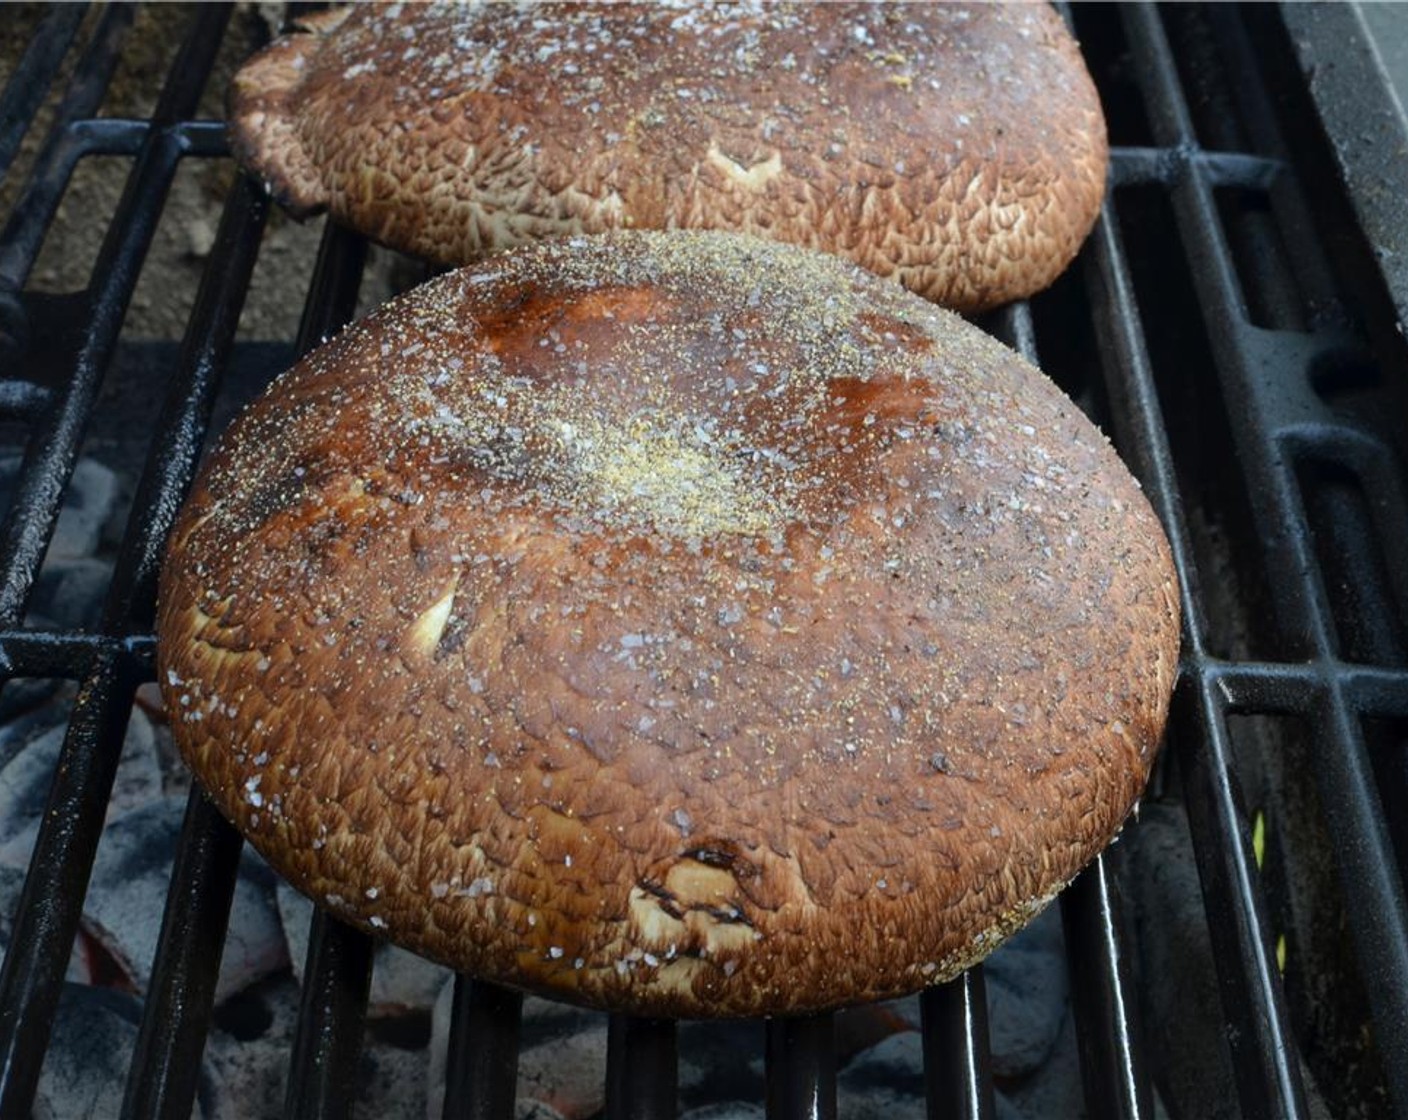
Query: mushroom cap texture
[959,149]
[682,623]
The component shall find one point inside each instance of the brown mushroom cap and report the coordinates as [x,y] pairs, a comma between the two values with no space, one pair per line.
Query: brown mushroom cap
[959,149]
[682,623]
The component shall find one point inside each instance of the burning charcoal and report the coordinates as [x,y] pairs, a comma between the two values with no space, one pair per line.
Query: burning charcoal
[886,1082]
[1054,1089]
[720,1060]
[70,591]
[88,504]
[25,778]
[125,902]
[138,781]
[401,982]
[249,1050]
[18,732]
[86,1066]
[24,790]
[567,1074]
[1027,996]
[21,697]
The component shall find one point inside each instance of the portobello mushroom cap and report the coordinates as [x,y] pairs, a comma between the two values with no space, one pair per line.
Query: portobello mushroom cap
[958,149]
[686,624]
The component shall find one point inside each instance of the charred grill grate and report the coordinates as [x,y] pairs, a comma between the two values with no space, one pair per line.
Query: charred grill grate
[1226,327]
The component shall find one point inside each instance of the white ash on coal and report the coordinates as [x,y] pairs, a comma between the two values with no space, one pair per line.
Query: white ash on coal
[27,769]
[123,908]
[77,567]
[86,1066]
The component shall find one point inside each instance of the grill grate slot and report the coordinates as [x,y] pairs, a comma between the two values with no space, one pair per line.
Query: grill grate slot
[1209,326]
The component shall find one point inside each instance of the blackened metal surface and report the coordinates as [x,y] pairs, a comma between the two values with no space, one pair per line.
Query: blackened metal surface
[642,1069]
[165,1071]
[1363,120]
[957,1065]
[481,1078]
[1234,323]
[1116,1075]
[322,1074]
[31,78]
[801,1068]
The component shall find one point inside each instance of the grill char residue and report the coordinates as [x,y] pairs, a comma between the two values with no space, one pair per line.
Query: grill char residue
[1212,326]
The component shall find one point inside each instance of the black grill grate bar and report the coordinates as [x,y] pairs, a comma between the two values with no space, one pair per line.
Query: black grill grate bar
[1254,1004]
[1113,1071]
[32,77]
[53,448]
[1373,891]
[186,414]
[24,231]
[1299,690]
[69,656]
[642,1069]
[105,136]
[322,1078]
[1253,1001]
[800,1057]
[957,1064]
[164,1073]
[1135,166]
[481,1058]
[52,900]
[1255,112]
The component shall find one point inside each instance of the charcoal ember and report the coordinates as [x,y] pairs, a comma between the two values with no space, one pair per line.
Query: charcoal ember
[88,505]
[175,774]
[720,1061]
[250,1042]
[402,983]
[28,772]
[21,696]
[1053,1089]
[73,581]
[127,896]
[24,790]
[23,727]
[567,1074]
[884,1083]
[139,777]
[85,1069]
[248,1050]
[69,593]
[391,1081]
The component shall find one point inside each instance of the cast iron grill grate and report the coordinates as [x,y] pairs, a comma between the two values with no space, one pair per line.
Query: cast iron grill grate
[1216,325]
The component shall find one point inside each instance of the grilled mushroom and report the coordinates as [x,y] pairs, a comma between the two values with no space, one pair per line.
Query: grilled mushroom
[958,149]
[688,624]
